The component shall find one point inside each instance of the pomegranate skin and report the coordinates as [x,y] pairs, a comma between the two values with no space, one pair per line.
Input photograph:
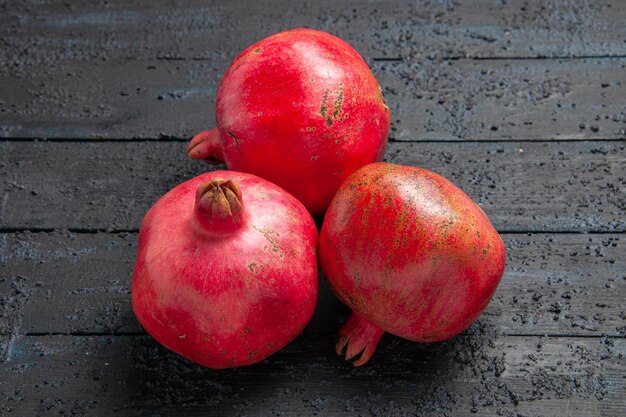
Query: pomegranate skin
[302,109]
[226,270]
[410,253]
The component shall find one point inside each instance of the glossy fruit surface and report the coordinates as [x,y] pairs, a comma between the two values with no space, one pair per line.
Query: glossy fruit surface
[300,108]
[410,253]
[226,270]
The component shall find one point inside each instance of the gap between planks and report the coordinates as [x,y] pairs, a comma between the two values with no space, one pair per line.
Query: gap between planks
[390,140]
[10,230]
[433,57]
[143,334]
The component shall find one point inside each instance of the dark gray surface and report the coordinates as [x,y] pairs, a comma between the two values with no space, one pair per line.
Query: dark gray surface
[51,31]
[522,99]
[555,284]
[110,185]
[483,91]
[119,69]
[482,374]
[430,99]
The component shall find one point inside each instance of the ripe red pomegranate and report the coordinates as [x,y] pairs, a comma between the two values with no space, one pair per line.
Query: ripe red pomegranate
[410,254]
[301,109]
[226,270]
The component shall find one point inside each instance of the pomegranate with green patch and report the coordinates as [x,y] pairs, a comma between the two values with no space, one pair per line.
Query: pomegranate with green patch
[410,253]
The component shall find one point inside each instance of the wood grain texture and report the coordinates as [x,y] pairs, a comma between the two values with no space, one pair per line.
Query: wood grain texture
[506,99]
[523,186]
[482,375]
[112,99]
[429,99]
[482,91]
[48,31]
[121,70]
[563,284]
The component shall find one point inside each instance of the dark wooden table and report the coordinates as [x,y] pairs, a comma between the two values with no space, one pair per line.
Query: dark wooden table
[521,103]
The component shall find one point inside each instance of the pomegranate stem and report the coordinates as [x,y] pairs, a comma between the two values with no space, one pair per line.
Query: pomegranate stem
[207,146]
[358,336]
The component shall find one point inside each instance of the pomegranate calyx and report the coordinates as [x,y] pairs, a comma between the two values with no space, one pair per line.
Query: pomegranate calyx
[358,336]
[219,206]
[206,146]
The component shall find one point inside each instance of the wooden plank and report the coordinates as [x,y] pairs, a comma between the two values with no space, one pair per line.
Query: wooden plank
[441,100]
[563,284]
[482,375]
[47,32]
[68,282]
[523,186]
[112,99]
[12,297]
[506,99]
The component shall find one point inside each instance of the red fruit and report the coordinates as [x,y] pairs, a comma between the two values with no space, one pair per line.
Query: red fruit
[226,270]
[410,254]
[301,109]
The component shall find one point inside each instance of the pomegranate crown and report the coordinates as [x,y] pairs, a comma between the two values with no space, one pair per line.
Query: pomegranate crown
[219,207]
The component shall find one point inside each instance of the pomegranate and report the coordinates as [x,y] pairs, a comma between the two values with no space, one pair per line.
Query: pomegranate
[410,254]
[226,270]
[300,108]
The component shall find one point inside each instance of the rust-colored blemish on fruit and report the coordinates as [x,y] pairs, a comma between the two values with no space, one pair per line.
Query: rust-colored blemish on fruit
[336,110]
[324,107]
[337,105]
[253,267]
[270,235]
